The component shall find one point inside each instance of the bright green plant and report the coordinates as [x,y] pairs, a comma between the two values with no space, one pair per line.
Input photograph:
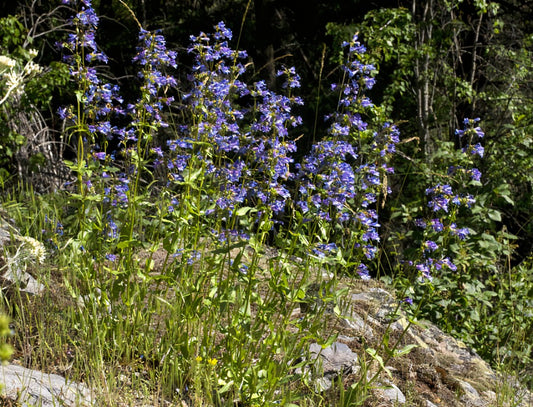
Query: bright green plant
[6,350]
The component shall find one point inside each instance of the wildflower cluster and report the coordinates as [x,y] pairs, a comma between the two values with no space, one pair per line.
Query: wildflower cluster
[99,99]
[35,250]
[236,152]
[243,151]
[99,110]
[331,186]
[271,149]
[102,101]
[444,204]
[153,57]
[99,103]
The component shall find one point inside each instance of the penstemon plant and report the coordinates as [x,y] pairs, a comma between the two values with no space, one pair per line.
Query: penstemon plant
[230,183]
[343,177]
[107,192]
[440,241]
[173,235]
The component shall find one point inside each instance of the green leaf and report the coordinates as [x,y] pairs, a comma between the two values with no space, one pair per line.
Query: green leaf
[125,244]
[495,215]
[225,386]
[20,139]
[79,96]
[405,350]
[244,210]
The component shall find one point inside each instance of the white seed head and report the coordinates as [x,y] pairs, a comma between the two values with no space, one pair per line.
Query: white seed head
[31,68]
[7,62]
[35,248]
[13,79]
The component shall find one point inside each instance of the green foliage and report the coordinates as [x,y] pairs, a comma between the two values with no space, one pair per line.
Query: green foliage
[388,35]
[12,34]
[53,82]
[476,302]
[6,350]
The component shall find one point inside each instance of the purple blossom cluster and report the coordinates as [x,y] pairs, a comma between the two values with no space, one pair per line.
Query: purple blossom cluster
[100,100]
[442,196]
[245,151]
[429,265]
[116,191]
[226,236]
[100,109]
[470,134]
[239,136]
[331,186]
[188,256]
[444,204]
[323,250]
[270,149]
[100,103]
[214,137]
[86,22]
[153,57]
[327,181]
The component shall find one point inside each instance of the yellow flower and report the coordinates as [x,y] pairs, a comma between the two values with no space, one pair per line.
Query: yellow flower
[199,359]
[212,362]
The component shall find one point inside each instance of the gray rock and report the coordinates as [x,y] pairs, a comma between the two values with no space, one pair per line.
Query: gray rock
[6,229]
[346,338]
[322,384]
[24,282]
[336,358]
[5,236]
[470,394]
[331,362]
[34,388]
[392,393]
[358,324]
[380,303]
[435,366]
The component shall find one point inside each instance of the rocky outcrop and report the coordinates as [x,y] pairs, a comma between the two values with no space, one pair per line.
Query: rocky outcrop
[34,388]
[434,370]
